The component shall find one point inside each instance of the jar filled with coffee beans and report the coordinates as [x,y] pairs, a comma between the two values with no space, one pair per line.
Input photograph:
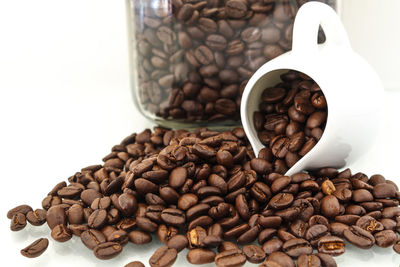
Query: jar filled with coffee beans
[191,59]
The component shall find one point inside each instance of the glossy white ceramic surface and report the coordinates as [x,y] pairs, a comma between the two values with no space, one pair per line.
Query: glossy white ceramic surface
[352,89]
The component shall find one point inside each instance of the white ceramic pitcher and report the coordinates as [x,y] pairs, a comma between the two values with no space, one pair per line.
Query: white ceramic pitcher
[352,89]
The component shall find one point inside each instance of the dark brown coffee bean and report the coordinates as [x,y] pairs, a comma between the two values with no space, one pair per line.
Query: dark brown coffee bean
[270,221]
[127,203]
[177,177]
[384,190]
[173,216]
[249,236]
[254,253]
[227,258]
[200,256]
[139,237]
[261,166]
[118,236]
[330,206]
[242,207]
[107,250]
[89,195]
[216,42]
[331,245]
[97,219]
[78,229]
[385,238]
[18,222]
[272,245]
[24,209]
[326,260]
[281,201]
[359,237]
[396,247]
[178,242]
[281,258]
[362,195]
[61,233]
[164,233]
[36,248]
[56,215]
[69,192]
[163,257]
[135,264]
[187,201]
[91,238]
[370,224]
[296,247]
[146,225]
[308,261]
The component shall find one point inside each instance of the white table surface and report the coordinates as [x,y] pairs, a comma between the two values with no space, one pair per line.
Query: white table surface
[65,101]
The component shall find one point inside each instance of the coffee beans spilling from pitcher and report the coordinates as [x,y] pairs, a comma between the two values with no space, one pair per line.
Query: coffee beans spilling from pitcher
[193,58]
[207,192]
[291,119]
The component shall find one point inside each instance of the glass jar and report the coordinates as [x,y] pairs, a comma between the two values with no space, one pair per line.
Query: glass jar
[191,59]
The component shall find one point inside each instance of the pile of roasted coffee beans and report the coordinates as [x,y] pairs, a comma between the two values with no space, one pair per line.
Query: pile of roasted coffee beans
[194,57]
[291,119]
[206,191]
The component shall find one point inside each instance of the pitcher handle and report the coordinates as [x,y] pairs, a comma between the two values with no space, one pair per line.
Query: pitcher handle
[306,25]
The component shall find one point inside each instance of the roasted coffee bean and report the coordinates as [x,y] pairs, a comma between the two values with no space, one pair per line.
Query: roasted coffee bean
[200,256]
[370,224]
[385,238]
[196,237]
[296,247]
[177,177]
[227,258]
[146,225]
[56,215]
[226,245]
[139,237]
[326,260]
[36,248]
[315,232]
[24,209]
[281,258]
[281,201]
[107,250]
[118,236]
[249,236]
[328,187]
[135,264]
[97,219]
[61,233]
[272,245]
[78,229]
[359,237]
[187,201]
[396,247]
[261,166]
[173,217]
[331,245]
[91,238]
[127,203]
[330,206]
[178,242]
[308,261]
[164,233]
[163,257]
[75,214]
[254,253]
[18,222]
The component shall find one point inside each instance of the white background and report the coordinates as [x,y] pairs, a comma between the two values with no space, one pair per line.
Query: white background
[65,101]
